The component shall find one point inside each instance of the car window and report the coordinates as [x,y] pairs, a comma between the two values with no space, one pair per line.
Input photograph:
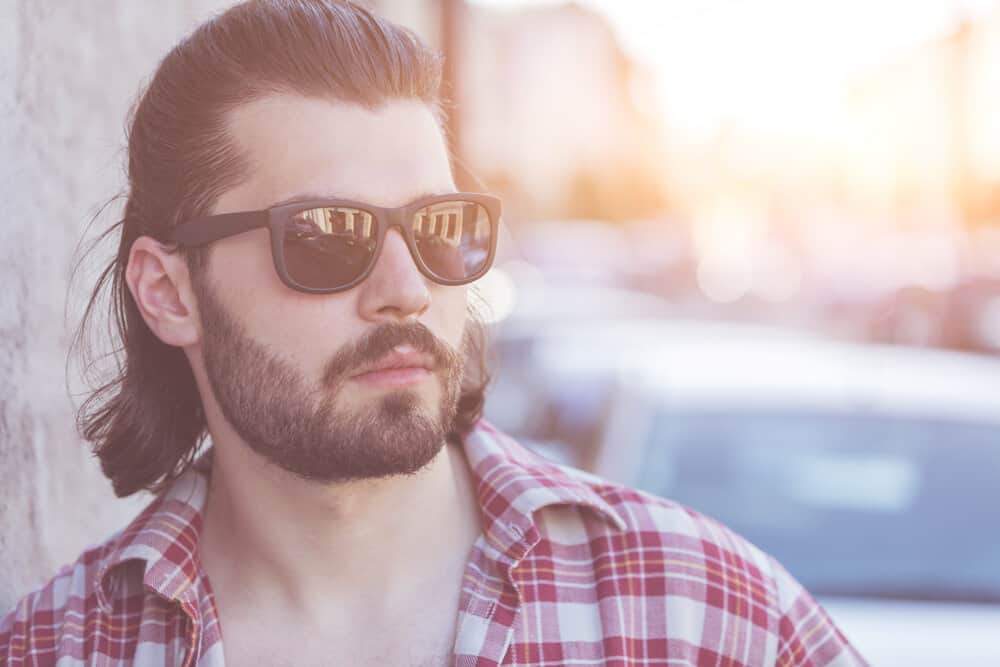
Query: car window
[537,402]
[851,505]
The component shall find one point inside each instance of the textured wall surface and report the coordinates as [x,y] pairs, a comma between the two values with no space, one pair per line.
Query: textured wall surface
[69,71]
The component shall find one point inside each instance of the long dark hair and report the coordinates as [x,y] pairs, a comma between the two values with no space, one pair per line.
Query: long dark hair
[146,422]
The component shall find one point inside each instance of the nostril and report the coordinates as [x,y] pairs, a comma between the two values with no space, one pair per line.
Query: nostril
[397,313]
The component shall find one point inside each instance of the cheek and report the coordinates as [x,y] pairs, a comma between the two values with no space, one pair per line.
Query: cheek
[242,266]
[303,326]
[452,305]
[305,330]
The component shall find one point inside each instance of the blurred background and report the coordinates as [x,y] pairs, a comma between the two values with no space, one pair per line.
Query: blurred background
[751,262]
[828,166]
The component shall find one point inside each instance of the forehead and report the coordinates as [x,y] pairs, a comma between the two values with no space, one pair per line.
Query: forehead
[298,146]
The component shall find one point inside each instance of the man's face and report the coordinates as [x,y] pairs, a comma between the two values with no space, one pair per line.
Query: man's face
[283,365]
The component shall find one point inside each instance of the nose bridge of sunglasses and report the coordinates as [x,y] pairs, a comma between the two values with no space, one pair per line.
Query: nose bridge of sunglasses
[396,217]
[397,243]
[408,224]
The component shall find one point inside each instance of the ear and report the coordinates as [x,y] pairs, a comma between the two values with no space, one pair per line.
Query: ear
[161,286]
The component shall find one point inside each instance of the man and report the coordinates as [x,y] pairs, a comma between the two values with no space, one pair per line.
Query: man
[290,282]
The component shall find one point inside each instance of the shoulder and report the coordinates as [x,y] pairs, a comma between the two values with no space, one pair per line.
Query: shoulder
[572,506]
[651,527]
[620,528]
[99,604]
[699,568]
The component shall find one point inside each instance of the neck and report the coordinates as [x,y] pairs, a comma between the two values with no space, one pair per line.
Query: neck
[306,543]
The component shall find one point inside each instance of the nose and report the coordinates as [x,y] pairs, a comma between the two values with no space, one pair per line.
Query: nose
[395,290]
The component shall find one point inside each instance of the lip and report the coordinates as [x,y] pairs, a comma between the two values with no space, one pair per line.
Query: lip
[403,366]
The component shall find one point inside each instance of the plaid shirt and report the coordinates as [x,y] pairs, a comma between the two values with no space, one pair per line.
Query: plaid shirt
[570,570]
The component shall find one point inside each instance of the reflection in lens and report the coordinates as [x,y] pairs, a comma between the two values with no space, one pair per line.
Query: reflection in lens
[453,238]
[328,247]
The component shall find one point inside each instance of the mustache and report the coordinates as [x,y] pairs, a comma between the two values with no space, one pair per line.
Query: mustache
[380,342]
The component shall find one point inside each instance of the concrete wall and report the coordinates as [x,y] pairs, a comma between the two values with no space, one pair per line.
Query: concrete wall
[69,72]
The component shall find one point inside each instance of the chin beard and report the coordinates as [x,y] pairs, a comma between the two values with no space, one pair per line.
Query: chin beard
[302,430]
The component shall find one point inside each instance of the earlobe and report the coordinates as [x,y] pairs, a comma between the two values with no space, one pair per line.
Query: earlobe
[160,285]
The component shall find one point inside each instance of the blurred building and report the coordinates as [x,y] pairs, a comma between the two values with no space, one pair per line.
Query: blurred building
[556,114]
[551,111]
[925,141]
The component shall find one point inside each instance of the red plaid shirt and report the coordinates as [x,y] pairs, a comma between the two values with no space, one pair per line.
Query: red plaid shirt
[570,569]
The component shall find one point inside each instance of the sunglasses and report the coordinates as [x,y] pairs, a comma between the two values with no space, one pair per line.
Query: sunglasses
[330,245]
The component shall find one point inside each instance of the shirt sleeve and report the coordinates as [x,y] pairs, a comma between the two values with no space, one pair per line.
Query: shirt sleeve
[14,628]
[807,637]
[30,632]
[6,630]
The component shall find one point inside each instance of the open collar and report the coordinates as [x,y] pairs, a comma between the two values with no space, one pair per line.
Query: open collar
[512,484]
[163,539]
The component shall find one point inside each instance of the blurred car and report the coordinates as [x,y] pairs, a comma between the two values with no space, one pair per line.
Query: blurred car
[555,374]
[871,472]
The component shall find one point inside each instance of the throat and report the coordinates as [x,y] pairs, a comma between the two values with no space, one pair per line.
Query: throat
[371,547]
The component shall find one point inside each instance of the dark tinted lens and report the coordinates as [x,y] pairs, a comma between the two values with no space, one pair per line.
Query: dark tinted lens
[453,238]
[328,247]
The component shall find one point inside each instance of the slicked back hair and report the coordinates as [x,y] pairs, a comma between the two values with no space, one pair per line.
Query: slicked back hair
[146,423]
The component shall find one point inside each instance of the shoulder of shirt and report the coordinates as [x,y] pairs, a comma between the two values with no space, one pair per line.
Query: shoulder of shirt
[80,598]
[643,513]
[651,526]
[60,606]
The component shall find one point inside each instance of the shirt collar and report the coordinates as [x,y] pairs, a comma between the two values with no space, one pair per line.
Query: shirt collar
[163,538]
[512,484]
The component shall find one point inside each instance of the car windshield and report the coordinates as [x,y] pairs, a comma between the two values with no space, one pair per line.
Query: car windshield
[850,505]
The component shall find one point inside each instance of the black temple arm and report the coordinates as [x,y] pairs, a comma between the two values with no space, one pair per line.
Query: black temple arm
[215,227]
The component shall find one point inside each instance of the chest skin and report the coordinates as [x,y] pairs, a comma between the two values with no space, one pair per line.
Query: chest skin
[420,636]
[412,621]
[420,630]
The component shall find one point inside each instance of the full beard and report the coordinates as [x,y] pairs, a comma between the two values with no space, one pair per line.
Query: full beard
[301,430]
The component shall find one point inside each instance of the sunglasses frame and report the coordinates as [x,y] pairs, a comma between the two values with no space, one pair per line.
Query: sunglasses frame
[201,231]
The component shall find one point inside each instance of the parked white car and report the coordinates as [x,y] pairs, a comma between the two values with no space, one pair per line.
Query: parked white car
[871,472]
